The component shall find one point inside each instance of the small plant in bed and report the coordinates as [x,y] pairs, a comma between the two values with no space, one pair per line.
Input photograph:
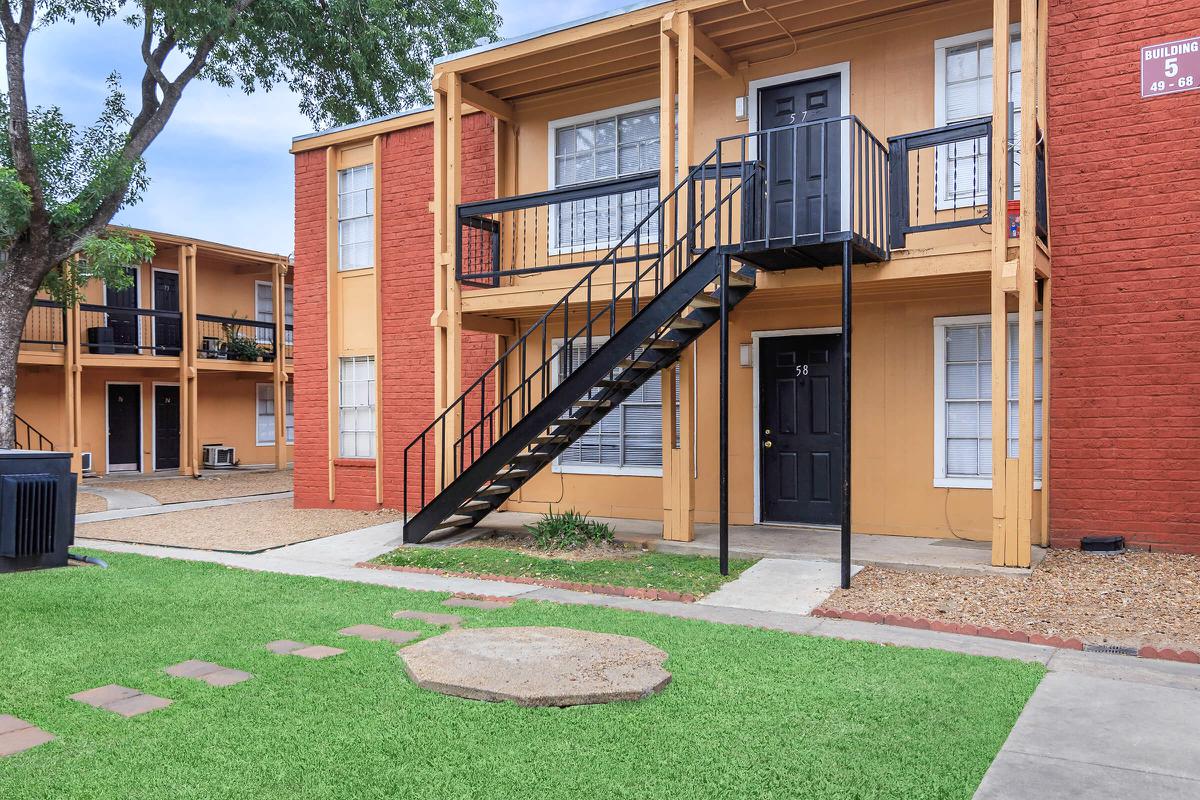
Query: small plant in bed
[569,530]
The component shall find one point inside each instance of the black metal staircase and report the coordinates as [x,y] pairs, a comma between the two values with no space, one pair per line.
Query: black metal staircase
[667,280]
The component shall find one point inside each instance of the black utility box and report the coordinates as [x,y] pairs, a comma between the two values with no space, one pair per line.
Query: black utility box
[100,341]
[37,509]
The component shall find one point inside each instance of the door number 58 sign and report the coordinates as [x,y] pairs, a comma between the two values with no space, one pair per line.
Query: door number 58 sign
[1171,67]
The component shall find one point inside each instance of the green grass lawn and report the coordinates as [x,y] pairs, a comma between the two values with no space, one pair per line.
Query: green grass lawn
[695,575]
[750,713]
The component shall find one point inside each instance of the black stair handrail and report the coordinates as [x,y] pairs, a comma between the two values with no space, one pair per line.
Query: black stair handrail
[620,289]
[678,253]
[30,432]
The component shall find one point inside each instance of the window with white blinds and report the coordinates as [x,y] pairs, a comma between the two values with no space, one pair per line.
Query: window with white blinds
[265,412]
[611,145]
[356,217]
[964,91]
[628,440]
[356,407]
[963,424]
[264,309]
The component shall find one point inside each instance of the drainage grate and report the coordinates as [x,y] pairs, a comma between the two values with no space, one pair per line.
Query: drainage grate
[1112,649]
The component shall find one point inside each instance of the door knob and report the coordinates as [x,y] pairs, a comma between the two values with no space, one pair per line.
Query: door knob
[767,445]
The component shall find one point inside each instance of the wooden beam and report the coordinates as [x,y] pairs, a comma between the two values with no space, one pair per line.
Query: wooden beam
[476,97]
[279,377]
[712,56]
[485,324]
[187,310]
[377,159]
[1003,538]
[332,373]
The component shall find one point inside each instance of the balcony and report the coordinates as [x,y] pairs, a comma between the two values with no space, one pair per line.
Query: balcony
[233,339]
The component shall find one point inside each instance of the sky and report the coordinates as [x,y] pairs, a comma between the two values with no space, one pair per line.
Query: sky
[221,169]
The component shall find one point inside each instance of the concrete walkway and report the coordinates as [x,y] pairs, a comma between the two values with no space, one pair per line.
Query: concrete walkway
[127,512]
[787,585]
[120,499]
[953,556]
[1098,725]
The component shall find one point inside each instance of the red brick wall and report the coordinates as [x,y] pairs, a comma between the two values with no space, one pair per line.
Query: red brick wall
[1125,360]
[405,367]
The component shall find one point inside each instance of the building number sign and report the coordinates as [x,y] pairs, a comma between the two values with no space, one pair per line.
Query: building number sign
[1171,67]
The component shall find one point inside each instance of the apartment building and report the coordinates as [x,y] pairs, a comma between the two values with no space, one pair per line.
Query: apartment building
[187,368]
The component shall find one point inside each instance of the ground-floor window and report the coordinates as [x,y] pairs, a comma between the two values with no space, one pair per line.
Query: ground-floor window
[356,407]
[628,440]
[265,408]
[963,398]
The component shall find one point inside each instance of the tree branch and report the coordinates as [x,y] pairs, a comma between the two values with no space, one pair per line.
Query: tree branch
[16,35]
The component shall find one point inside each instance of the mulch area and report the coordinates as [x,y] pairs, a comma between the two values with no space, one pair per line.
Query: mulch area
[212,485]
[1132,600]
[242,528]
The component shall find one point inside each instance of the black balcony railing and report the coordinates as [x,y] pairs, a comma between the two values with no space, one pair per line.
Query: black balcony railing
[565,228]
[237,339]
[941,179]
[45,327]
[117,330]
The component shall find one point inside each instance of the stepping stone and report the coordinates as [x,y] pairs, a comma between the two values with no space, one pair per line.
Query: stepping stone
[374,633]
[17,736]
[212,674]
[430,617]
[468,602]
[317,652]
[537,666]
[285,647]
[121,700]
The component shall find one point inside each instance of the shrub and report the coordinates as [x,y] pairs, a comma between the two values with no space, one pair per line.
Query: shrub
[569,530]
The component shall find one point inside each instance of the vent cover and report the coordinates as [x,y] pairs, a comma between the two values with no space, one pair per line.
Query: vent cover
[28,512]
[1113,649]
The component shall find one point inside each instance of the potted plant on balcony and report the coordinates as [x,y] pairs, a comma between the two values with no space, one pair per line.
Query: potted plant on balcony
[240,347]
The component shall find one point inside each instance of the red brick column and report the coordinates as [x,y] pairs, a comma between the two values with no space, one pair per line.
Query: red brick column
[1125,217]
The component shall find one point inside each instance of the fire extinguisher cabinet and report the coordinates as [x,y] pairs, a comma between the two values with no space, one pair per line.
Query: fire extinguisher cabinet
[37,509]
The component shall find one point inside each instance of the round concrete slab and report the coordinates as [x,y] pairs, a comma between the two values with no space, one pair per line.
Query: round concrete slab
[537,666]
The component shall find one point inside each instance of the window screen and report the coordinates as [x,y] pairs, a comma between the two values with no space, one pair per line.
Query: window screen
[629,436]
[968,399]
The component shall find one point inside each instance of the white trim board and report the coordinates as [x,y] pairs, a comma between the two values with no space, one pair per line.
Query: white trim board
[141,428]
[755,338]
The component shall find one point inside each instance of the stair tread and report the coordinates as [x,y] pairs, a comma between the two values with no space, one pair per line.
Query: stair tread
[495,489]
[705,301]
[637,364]
[683,323]
[553,439]
[665,344]
[474,505]
[594,403]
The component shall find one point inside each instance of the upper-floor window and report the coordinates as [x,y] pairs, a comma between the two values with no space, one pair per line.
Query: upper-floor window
[264,309]
[356,217]
[963,72]
[963,411]
[612,144]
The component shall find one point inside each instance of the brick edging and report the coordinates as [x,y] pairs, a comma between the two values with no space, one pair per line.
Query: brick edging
[966,629]
[593,588]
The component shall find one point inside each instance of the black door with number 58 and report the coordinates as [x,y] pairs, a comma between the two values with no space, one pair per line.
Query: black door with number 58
[800,390]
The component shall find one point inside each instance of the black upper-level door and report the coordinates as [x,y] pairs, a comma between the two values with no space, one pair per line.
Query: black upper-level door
[168,331]
[800,392]
[804,163]
[124,325]
[166,427]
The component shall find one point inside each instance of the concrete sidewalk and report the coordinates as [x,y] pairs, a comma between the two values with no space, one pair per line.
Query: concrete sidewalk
[1098,725]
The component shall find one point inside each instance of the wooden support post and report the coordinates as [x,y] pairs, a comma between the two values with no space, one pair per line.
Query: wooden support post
[72,389]
[187,354]
[440,226]
[332,372]
[377,216]
[1026,288]
[279,382]
[1003,534]
[1043,14]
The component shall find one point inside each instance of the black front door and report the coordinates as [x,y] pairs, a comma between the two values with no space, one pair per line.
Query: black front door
[168,331]
[800,390]
[124,325]
[124,427]
[803,164]
[166,427]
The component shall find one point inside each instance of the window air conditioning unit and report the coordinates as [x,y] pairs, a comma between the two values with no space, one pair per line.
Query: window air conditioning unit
[85,462]
[218,456]
[214,347]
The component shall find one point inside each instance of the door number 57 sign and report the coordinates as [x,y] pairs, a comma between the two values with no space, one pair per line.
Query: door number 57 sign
[1171,67]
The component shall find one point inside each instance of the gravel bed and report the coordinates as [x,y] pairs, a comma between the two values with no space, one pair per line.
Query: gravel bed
[213,485]
[1132,599]
[86,503]
[245,527]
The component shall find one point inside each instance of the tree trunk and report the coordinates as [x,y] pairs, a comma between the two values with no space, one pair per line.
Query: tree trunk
[17,290]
